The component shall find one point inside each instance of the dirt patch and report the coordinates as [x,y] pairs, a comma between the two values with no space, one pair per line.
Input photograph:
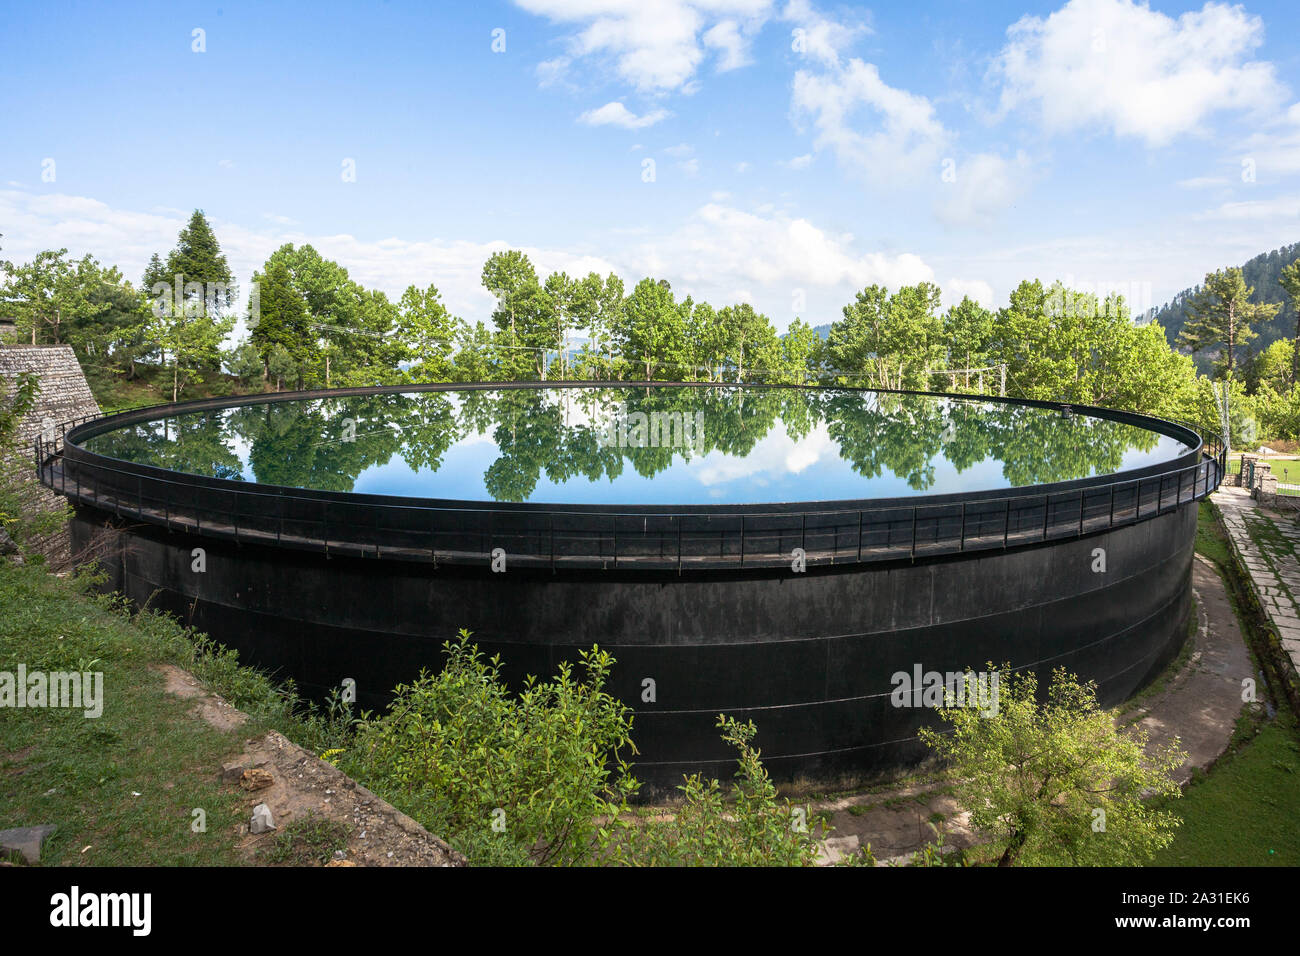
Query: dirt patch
[303,787]
[207,706]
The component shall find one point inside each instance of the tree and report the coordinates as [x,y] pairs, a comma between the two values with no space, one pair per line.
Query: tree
[196,271]
[1060,782]
[800,347]
[967,329]
[197,258]
[652,332]
[1289,279]
[427,332]
[45,296]
[748,340]
[189,339]
[280,328]
[1221,315]
[524,314]
[332,333]
[894,339]
[603,312]
[475,358]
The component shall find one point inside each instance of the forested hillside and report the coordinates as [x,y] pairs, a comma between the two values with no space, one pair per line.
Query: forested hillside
[1261,273]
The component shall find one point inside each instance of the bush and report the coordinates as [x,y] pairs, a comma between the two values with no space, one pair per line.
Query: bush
[1057,783]
[753,828]
[503,778]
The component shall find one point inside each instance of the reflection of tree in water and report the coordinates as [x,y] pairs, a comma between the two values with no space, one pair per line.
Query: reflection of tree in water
[191,444]
[883,431]
[327,444]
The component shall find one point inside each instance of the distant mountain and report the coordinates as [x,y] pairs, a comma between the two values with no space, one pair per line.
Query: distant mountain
[1260,272]
[824,331]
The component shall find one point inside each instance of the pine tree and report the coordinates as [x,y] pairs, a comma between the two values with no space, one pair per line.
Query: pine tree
[1289,279]
[1221,315]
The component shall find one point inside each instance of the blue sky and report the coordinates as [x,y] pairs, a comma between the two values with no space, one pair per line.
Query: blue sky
[800,150]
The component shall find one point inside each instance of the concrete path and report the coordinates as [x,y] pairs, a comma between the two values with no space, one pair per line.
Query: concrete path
[1199,705]
[1266,542]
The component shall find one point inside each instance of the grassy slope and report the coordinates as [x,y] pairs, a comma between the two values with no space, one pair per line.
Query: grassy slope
[81,774]
[153,386]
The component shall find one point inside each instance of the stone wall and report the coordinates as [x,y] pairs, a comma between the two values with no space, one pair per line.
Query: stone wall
[64,394]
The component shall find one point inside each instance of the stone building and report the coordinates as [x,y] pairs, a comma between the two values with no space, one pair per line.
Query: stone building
[64,394]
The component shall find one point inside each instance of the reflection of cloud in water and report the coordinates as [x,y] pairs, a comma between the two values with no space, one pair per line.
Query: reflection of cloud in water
[774,455]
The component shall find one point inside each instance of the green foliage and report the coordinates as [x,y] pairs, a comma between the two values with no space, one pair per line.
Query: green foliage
[1057,783]
[888,341]
[427,332]
[1221,315]
[531,772]
[1263,273]
[747,827]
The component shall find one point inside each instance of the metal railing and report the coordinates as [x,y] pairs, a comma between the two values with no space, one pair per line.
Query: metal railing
[361,526]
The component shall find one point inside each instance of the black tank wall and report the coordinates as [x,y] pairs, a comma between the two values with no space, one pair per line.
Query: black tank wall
[807,656]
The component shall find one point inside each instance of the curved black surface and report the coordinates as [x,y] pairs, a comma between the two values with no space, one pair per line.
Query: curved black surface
[807,655]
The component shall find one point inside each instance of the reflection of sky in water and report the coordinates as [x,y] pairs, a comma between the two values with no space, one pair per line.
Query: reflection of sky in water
[776,469]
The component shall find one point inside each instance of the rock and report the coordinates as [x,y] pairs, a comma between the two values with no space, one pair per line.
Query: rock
[26,840]
[340,863]
[255,779]
[231,772]
[833,849]
[261,822]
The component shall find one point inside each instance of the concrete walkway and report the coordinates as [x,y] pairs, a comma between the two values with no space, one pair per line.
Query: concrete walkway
[1266,543]
[1199,705]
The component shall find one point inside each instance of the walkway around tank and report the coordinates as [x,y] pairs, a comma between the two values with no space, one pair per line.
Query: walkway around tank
[1267,544]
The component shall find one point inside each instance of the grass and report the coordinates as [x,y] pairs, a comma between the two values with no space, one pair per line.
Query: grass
[122,788]
[1210,539]
[1242,812]
[152,385]
[307,841]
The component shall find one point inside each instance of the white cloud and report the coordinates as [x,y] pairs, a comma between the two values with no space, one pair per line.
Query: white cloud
[658,47]
[552,72]
[1122,66]
[905,137]
[722,246]
[1276,149]
[690,167]
[733,47]
[720,253]
[616,114]
[798,162]
[1202,182]
[1278,207]
[742,167]
[985,185]
[818,37]
[954,290]
[681,149]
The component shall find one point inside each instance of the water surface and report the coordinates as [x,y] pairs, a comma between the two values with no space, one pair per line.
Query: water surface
[634,446]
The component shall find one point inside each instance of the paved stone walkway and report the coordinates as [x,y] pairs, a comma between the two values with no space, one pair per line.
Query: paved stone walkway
[1267,543]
